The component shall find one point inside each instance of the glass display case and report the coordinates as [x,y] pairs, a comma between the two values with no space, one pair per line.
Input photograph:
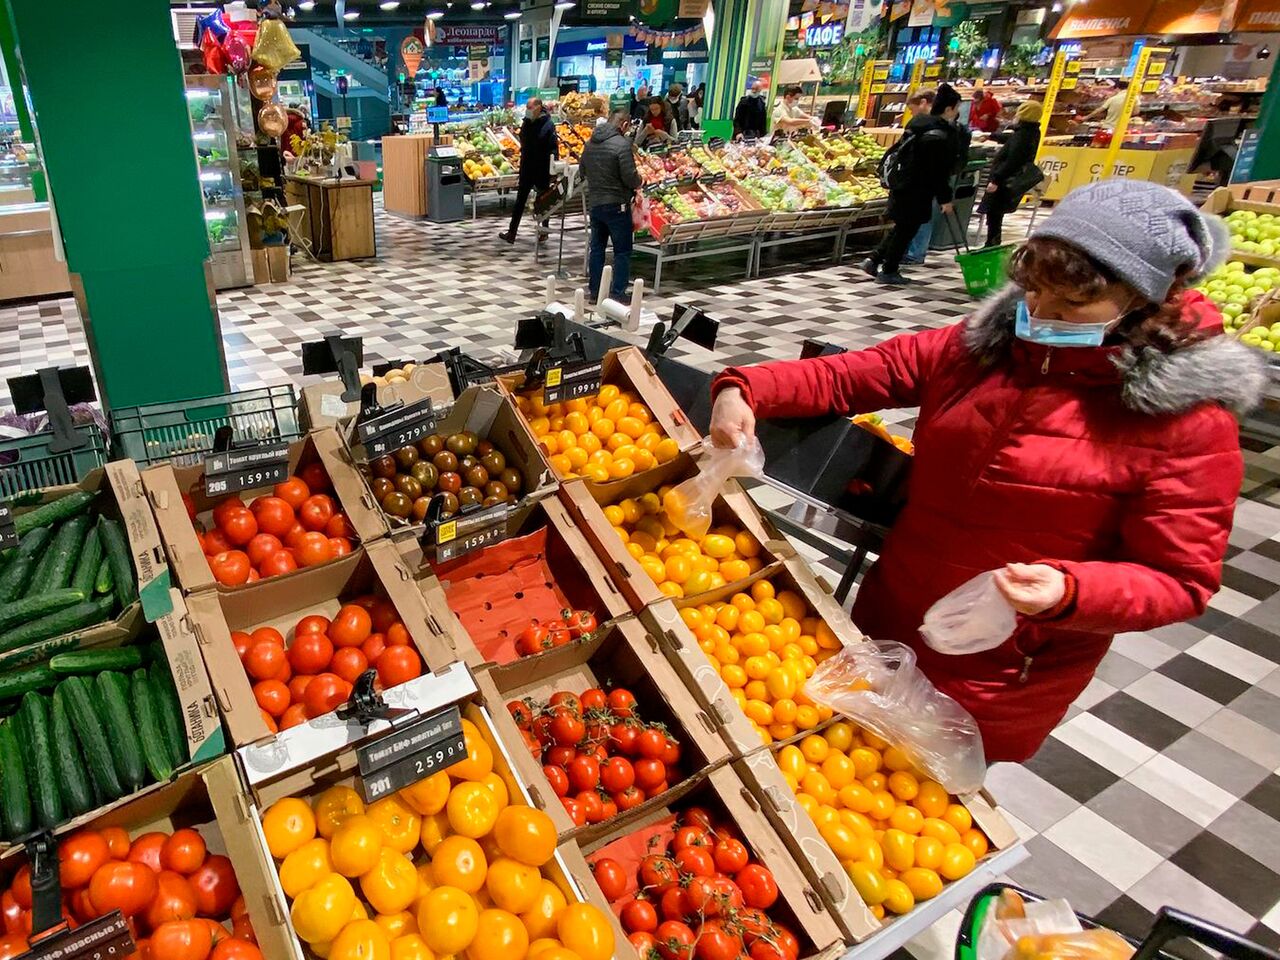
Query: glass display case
[213,132]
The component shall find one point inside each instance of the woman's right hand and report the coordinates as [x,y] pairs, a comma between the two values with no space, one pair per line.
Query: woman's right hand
[732,420]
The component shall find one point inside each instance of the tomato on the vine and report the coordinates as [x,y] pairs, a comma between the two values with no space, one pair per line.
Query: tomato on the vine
[617,775]
[759,889]
[593,700]
[690,836]
[610,877]
[696,861]
[623,736]
[730,855]
[584,773]
[622,702]
[563,698]
[651,743]
[698,817]
[649,773]
[592,806]
[755,923]
[639,916]
[559,756]
[717,942]
[645,945]
[658,874]
[630,798]
[675,940]
[573,807]
[520,713]
[674,904]
[558,779]
[533,639]
[567,727]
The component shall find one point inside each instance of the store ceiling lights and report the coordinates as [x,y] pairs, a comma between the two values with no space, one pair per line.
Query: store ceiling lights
[307,5]
[435,14]
[389,4]
[511,15]
[351,15]
[479,5]
[565,5]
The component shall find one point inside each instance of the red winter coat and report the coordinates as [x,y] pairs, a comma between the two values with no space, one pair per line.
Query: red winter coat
[1119,467]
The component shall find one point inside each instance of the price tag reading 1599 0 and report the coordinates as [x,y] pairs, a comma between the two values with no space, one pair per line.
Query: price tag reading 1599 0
[230,471]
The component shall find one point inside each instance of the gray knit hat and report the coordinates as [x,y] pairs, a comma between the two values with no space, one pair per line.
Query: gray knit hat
[1142,232]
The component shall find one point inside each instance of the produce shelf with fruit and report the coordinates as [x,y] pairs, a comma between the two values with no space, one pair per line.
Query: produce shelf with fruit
[1254,225]
[457,861]
[717,882]
[608,723]
[319,514]
[1247,300]
[477,456]
[404,381]
[285,654]
[534,587]
[179,866]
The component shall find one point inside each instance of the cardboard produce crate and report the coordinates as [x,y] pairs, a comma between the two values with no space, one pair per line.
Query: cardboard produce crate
[165,484]
[622,655]
[211,800]
[681,646]
[628,369]
[281,602]
[120,497]
[818,861]
[728,800]
[341,768]
[1251,197]
[322,404]
[586,502]
[540,566]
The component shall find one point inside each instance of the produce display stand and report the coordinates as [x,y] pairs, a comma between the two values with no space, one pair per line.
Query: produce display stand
[499,186]
[724,235]
[783,229]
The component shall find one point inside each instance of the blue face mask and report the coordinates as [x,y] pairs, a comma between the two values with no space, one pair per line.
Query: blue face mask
[1059,333]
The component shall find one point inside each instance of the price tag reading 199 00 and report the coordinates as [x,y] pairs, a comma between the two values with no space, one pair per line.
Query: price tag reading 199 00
[411,753]
[106,938]
[8,535]
[231,471]
[397,428]
[569,383]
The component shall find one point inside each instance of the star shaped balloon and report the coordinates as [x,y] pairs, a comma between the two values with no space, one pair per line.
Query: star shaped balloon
[214,24]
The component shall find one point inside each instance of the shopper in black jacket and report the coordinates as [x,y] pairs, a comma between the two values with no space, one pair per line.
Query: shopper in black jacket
[537,147]
[750,116]
[1021,141]
[928,158]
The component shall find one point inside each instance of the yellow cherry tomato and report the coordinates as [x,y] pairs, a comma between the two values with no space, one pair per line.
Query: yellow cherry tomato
[929,851]
[898,897]
[814,748]
[899,849]
[586,931]
[976,841]
[459,862]
[305,866]
[957,861]
[426,796]
[323,909]
[447,920]
[907,819]
[839,735]
[933,827]
[867,881]
[400,825]
[392,884]
[355,846]
[959,817]
[840,838]
[923,883]
[288,824]
[540,919]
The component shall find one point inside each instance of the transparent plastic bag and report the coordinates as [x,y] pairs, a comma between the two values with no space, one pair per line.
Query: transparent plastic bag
[688,505]
[973,617]
[1044,930]
[877,684]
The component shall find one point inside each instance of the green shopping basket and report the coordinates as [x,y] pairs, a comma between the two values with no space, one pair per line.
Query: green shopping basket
[983,270]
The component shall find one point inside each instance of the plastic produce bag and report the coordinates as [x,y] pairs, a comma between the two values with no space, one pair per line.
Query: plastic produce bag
[877,684]
[688,505]
[973,617]
[1044,930]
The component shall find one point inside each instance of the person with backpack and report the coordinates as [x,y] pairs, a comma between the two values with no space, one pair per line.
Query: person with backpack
[916,172]
[1009,169]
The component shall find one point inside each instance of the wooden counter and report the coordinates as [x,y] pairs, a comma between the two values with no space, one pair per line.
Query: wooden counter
[338,221]
[404,180]
[28,266]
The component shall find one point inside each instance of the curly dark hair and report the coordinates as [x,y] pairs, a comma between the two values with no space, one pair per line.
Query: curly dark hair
[1047,264]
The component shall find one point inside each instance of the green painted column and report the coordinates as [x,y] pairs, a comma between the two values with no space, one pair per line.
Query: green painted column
[1266,166]
[9,52]
[744,31]
[111,112]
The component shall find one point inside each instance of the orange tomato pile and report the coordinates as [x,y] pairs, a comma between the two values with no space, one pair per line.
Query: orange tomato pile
[299,525]
[765,644]
[897,833]
[680,566]
[446,865]
[315,672]
[606,437]
[175,895]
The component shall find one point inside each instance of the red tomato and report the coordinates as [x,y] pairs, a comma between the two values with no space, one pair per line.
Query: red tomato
[274,515]
[649,773]
[759,889]
[239,526]
[21,886]
[225,506]
[617,774]
[315,477]
[610,877]
[269,721]
[11,911]
[268,633]
[584,772]
[397,665]
[593,700]
[254,576]
[630,798]
[717,942]
[181,940]
[577,813]
[696,861]
[293,491]
[373,647]
[296,714]
[183,851]
[189,505]
[298,685]
[230,567]
[215,543]
[174,900]
[675,940]
[79,856]
[658,874]
[117,841]
[639,916]
[12,945]
[127,887]
[261,547]
[237,947]
[340,526]
[533,640]
[294,535]
[398,635]
[313,549]
[351,626]
[730,855]
[349,663]
[340,546]
[621,702]
[310,653]
[558,779]
[592,806]
[286,672]
[324,693]
[316,513]
[272,696]
[216,887]
[311,623]
[264,659]
[278,564]
[382,613]
[146,849]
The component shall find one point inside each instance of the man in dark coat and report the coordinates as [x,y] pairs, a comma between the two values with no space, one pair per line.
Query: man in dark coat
[537,147]
[927,155]
[751,114]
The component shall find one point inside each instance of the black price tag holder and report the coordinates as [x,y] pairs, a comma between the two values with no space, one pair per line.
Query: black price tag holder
[691,323]
[8,532]
[105,938]
[571,381]
[715,143]
[53,390]
[468,530]
[382,430]
[411,752]
[233,467]
[337,354]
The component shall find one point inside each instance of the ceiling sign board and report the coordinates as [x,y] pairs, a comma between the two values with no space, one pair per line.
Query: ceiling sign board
[1102,18]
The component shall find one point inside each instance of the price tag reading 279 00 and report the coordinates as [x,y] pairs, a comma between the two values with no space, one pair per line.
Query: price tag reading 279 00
[397,428]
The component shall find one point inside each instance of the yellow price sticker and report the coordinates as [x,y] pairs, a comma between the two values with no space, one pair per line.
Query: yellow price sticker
[553,376]
[878,88]
[447,531]
[1150,86]
[1073,66]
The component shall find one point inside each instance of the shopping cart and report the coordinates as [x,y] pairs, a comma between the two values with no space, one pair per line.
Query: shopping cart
[983,270]
[1169,924]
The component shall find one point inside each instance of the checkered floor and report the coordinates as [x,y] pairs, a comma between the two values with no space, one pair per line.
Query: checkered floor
[1161,786]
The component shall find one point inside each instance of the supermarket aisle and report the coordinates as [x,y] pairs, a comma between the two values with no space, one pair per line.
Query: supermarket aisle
[1163,784]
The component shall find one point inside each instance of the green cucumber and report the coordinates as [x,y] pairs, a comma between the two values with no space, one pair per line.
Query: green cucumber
[73,781]
[102,583]
[116,547]
[15,801]
[113,697]
[92,735]
[87,566]
[40,577]
[95,661]
[83,614]
[67,544]
[172,720]
[37,754]
[52,512]
[14,683]
[146,710]
[16,576]
[42,604]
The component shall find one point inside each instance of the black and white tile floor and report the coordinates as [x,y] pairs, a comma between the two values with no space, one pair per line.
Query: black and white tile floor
[1163,784]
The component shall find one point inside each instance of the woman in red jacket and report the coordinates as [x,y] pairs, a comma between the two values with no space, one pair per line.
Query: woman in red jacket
[1076,433]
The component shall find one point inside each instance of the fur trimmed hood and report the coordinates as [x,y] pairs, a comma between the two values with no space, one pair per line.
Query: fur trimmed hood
[1220,369]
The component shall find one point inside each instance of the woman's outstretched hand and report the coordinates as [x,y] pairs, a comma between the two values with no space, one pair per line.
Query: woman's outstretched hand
[732,421]
[1030,588]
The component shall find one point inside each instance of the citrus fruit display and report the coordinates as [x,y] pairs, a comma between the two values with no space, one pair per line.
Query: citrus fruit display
[681,566]
[314,671]
[450,865]
[697,891]
[898,834]
[608,436]
[459,470]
